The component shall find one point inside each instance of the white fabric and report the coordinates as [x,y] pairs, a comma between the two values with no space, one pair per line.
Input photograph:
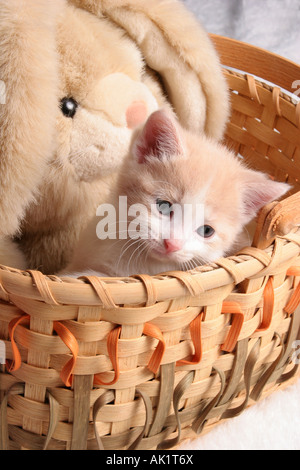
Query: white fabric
[271,424]
[271,24]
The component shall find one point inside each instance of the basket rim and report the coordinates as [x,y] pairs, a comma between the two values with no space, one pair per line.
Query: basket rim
[288,96]
[75,291]
[256,60]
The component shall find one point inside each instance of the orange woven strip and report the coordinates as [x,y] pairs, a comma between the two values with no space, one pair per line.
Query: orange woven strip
[195,331]
[295,298]
[236,326]
[112,348]
[15,364]
[63,332]
[156,358]
[69,339]
[268,307]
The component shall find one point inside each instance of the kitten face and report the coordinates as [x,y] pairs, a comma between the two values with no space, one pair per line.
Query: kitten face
[188,216]
[170,168]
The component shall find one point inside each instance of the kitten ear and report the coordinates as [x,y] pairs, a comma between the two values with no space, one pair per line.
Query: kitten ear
[257,191]
[159,138]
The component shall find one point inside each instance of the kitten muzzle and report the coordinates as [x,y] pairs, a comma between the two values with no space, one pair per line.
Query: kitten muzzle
[172,245]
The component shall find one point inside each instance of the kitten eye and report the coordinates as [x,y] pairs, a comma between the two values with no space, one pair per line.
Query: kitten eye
[163,207]
[68,107]
[205,231]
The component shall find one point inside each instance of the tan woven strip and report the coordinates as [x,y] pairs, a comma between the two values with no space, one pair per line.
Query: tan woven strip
[289,375]
[221,411]
[116,441]
[292,237]
[3,292]
[185,415]
[182,386]
[82,388]
[53,420]
[266,377]
[167,375]
[275,370]
[200,421]
[150,288]
[252,88]
[276,258]
[3,424]
[153,441]
[4,438]
[107,397]
[256,253]
[191,282]
[43,287]
[275,97]
[101,290]
[249,368]
[297,111]
[218,407]
[27,440]
[236,371]
[234,270]
[145,430]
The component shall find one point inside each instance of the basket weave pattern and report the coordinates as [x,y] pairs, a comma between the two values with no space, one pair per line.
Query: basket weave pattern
[144,362]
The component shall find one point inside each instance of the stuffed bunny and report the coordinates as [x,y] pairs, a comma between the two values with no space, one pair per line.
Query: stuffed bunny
[80,75]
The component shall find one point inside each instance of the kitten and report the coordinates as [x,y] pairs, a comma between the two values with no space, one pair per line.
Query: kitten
[171,168]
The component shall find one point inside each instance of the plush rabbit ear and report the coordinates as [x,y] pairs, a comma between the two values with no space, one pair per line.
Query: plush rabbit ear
[159,138]
[178,49]
[29,70]
[257,191]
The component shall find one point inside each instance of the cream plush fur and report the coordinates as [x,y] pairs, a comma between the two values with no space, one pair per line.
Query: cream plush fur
[27,118]
[120,60]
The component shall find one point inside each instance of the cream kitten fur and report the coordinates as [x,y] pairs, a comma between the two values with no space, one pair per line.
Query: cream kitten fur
[10,255]
[169,165]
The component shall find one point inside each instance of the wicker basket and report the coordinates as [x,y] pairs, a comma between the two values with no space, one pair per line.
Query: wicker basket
[145,362]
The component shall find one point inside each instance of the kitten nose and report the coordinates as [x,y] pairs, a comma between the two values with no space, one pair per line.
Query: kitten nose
[172,245]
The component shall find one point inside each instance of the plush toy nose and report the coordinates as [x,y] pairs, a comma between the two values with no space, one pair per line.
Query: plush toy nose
[172,245]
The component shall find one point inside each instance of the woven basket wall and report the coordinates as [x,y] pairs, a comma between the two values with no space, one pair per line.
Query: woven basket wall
[145,362]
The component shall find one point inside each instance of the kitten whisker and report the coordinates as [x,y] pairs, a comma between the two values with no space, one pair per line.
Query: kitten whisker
[144,253]
[199,261]
[129,244]
[135,250]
